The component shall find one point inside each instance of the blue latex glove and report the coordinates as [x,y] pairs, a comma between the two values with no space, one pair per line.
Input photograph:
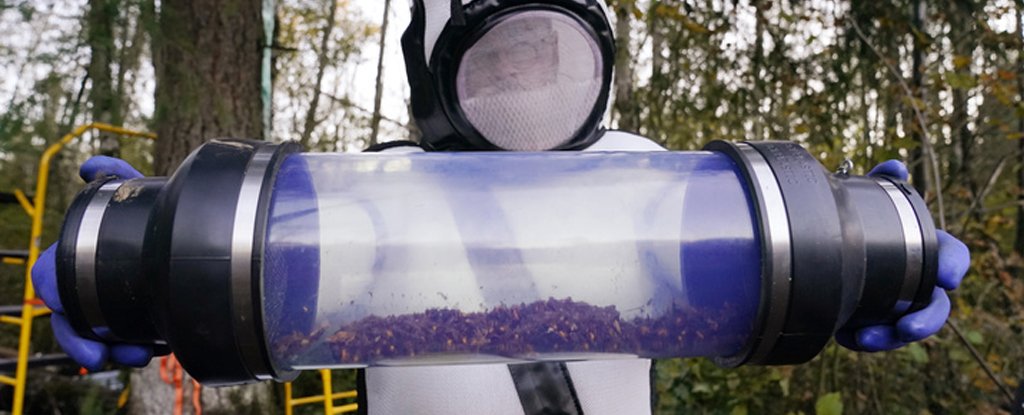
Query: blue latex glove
[89,353]
[954,259]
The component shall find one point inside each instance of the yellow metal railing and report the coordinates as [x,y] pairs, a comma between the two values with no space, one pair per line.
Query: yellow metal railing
[13,261]
[31,306]
[290,402]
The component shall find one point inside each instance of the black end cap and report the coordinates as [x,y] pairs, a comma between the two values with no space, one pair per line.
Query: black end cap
[192,239]
[816,237]
[849,256]
[124,289]
[882,300]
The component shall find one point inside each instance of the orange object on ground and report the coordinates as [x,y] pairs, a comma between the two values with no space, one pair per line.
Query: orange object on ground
[172,374]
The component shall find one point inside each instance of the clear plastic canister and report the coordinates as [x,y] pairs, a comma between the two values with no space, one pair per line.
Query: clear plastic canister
[253,260]
[380,259]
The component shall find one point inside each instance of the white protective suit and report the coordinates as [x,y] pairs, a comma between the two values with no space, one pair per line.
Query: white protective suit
[601,386]
[538,80]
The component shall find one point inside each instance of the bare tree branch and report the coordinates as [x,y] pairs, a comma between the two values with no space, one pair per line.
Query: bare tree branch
[322,61]
[966,216]
[981,361]
[349,104]
[926,142]
[375,121]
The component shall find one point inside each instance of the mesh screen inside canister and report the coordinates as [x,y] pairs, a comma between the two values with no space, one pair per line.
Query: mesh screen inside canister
[531,81]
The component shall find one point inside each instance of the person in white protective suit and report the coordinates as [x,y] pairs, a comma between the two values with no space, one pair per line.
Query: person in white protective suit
[520,75]
[515,76]
[501,75]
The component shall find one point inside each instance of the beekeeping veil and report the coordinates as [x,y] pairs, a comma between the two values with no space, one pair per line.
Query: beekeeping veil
[509,74]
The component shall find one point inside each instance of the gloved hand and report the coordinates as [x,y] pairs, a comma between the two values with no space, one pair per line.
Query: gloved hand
[954,259]
[89,353]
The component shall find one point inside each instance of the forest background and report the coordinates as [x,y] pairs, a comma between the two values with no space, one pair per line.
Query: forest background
[937,84]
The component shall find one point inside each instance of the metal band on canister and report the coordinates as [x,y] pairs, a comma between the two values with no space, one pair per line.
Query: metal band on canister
[85,257]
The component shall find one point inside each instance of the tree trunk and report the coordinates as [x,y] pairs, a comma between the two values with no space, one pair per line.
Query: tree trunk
[151,395]
[379,93]
[1019,242]
[962,36]
[625,103]
[918,159]
[208,72]
[323,60]
[129,56]
[208,60]
[653,124]
[958,125]
[756,62]
[100,23]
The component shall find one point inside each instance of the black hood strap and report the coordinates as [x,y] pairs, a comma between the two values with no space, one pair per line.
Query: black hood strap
[458,14]
[545,388]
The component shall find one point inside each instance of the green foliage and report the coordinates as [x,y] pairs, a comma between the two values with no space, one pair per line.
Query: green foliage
[917,353]
[338,121]
[698,386]
[829,404]
[68,395]
[846,89]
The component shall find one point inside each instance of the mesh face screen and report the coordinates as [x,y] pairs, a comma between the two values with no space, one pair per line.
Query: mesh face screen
[531,81]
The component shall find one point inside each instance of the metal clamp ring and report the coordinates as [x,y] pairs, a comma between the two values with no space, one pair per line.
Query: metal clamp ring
[914,242]
[775,226]
[85,258]
[242,241]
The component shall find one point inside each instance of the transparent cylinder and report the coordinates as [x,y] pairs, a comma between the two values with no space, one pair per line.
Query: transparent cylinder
[439,258]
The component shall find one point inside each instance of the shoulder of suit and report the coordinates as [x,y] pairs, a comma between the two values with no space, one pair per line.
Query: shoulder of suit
[614,140]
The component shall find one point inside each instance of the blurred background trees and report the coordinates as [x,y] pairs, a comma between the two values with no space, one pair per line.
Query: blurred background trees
[938,84]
